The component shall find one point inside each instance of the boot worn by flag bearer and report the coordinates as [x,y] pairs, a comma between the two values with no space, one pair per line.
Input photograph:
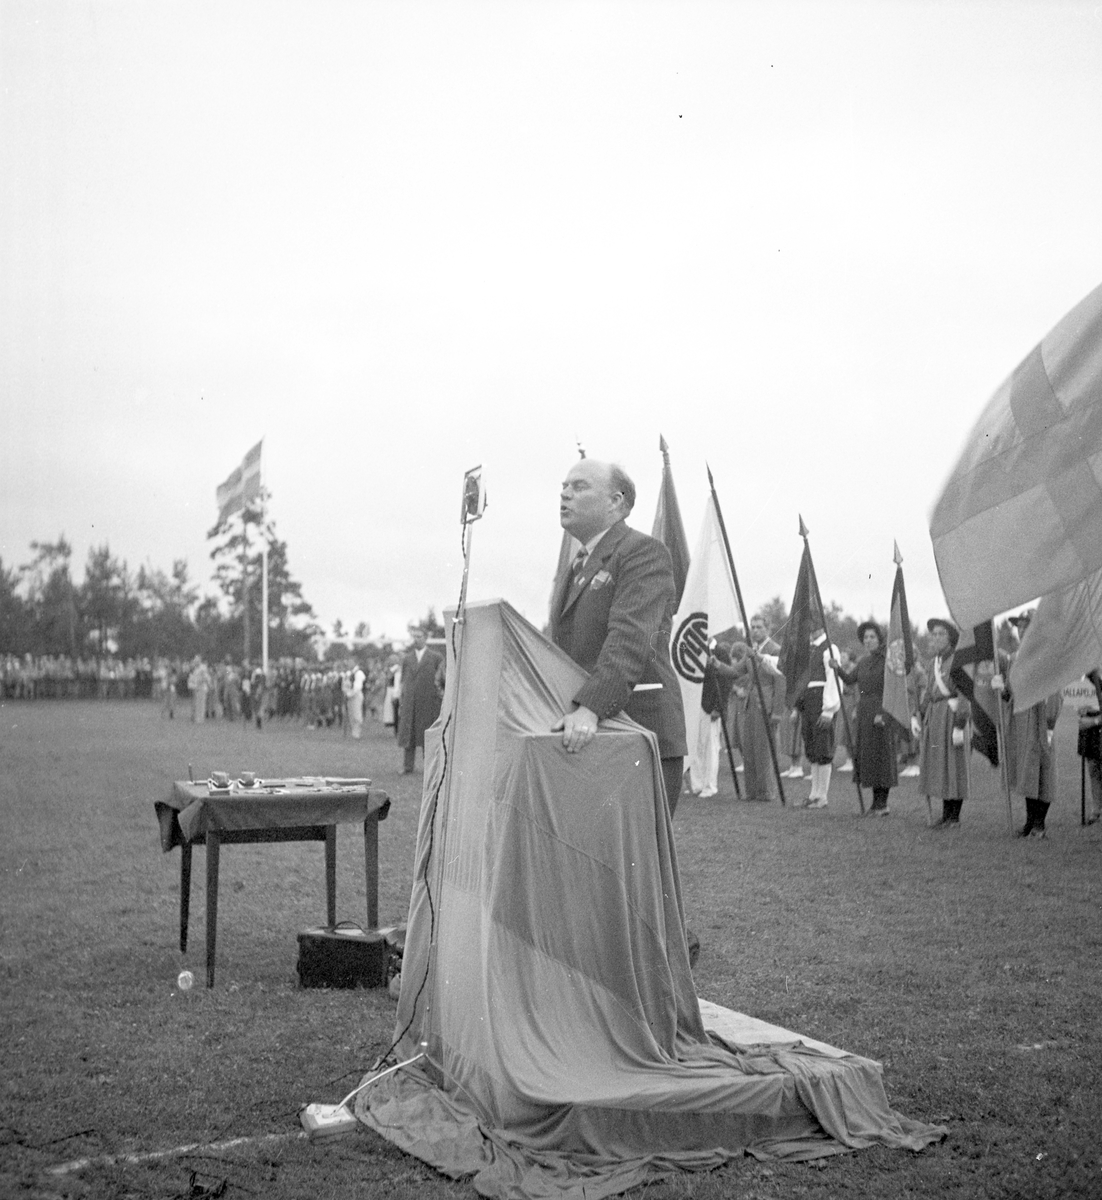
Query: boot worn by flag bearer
[944,740]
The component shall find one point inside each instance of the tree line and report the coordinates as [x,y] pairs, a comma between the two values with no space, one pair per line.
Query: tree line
[149,613]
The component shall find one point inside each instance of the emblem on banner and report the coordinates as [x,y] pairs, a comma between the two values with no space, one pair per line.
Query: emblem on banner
[897,657]
[690,647]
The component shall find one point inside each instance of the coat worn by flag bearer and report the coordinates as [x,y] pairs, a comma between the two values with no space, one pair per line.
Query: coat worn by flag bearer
[942,763]
[874,758]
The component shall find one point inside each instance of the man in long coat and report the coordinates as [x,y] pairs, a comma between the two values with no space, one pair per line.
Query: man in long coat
[420,702]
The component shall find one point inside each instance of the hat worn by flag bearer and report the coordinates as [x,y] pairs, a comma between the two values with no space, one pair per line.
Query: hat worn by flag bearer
[952,632]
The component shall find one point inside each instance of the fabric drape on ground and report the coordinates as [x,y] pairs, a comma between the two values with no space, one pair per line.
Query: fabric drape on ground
[546,965]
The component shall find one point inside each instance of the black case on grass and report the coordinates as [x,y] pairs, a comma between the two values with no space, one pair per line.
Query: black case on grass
[342,956]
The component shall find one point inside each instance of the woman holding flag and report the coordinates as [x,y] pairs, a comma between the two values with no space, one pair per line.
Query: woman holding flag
[874,758]
[945,730]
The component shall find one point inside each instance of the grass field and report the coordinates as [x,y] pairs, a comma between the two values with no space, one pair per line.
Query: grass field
[967,962]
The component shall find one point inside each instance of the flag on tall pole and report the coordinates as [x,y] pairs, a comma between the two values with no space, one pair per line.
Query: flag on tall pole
[899,660]
[669,529]
[795,658]
[809,614]
[1021,514]
[241,486]
[707,603]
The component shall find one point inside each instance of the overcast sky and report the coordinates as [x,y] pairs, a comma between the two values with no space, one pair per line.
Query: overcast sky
[806,242]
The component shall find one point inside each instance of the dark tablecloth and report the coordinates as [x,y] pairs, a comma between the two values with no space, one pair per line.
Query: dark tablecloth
[193,809]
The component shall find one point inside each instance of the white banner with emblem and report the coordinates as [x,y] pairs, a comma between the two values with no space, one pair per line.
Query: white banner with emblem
[708,603]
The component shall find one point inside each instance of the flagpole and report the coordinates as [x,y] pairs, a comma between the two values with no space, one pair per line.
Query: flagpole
[726,737]
[766,716]
[830,649]
[263,575]
[905,631]
[1000,733]
[730,756]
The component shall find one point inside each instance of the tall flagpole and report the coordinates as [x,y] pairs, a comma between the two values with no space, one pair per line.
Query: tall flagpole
[1000,730]
[767,717]
[730,756]
[263,575]
[830,648]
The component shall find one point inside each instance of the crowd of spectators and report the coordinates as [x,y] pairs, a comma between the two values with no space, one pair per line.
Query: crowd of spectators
[58,677]
[316,694]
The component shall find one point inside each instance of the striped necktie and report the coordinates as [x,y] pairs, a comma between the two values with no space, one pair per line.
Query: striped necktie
[578,569]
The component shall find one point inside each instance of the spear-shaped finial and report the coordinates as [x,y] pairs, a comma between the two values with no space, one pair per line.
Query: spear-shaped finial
[804,531]
[664,448]
[897,558]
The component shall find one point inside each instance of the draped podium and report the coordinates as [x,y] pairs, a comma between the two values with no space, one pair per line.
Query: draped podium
[546,967]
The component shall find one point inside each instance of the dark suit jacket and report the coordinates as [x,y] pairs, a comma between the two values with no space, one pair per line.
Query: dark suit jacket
[617,626]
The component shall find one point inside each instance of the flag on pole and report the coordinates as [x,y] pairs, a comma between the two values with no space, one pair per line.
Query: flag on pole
[241,486]
[1021,514]
[795,659]
[669,529]
[1062,643]
[899,660]
[707,603]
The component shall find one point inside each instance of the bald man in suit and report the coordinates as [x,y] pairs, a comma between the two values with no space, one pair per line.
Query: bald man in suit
[611,612]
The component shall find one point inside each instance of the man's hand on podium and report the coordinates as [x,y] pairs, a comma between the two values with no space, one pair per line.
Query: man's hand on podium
[579,728]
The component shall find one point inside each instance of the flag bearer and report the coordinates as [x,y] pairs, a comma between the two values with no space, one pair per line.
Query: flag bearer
[1030,750]
[943,736]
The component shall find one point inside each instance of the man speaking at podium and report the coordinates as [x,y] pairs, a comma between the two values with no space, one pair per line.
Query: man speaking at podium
[611,612]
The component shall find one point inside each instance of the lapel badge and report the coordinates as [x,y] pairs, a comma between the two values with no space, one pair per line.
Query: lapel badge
[599,580]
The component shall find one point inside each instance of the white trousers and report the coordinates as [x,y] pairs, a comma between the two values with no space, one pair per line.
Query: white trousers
[704,768]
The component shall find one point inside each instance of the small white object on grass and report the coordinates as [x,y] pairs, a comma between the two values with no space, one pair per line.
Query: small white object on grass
[185,980]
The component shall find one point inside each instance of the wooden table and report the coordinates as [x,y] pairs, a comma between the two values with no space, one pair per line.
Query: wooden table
[283,810]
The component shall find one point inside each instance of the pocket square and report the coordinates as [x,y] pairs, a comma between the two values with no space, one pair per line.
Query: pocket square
[599,580]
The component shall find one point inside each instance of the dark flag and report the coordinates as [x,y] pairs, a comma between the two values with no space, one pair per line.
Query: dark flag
[899,660]
[985,736]
[668,526]
[795,660]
